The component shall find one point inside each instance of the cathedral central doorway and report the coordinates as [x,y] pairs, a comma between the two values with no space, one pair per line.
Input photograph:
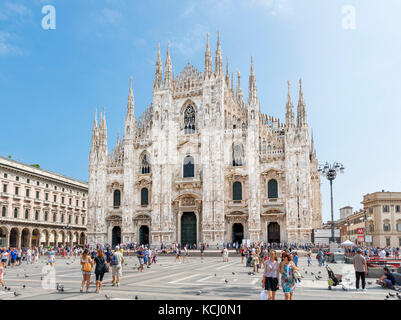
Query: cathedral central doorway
[115,236]
[238,233]
[144,235]
[188,228]
[273,232]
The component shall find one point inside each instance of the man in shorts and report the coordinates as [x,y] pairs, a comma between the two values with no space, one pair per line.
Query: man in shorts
[116,266]
[141,258]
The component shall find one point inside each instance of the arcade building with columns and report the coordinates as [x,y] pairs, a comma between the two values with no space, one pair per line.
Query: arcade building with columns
[202,164]
[40,208]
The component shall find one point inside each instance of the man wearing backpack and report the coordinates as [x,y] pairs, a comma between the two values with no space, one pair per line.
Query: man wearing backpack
[116,265]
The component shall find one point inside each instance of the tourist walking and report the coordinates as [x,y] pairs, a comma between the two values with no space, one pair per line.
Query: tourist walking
[29,256]
[2,275]
[4,257]
[308,257]
[202,249]
[361,269]
[86,268]
[100,269]
[184,257]
[116,266]
[141,259]
[287,269]
[51,258]
[271,275]
[177,255]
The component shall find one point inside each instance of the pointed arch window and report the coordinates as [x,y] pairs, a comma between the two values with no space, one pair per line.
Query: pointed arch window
[3,211]
[189,167]
[272,189]
[116,198]
[237,191]
[237,156]
[145,164]
[144,197]
[189,120]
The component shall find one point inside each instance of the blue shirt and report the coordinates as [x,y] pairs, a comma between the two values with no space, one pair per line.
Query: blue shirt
[13,255]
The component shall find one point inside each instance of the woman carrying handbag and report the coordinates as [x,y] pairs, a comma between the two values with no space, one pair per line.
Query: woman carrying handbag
[86,267]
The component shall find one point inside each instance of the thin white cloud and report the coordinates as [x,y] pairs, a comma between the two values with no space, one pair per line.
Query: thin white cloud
[108,16]
[275,7]
[190,43]
[7,48]
[14,11]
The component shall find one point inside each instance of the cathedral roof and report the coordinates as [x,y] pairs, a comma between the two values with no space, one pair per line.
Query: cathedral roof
[189,72]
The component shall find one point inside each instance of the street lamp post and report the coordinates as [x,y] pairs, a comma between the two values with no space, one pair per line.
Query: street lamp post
[67,227]
[330,173]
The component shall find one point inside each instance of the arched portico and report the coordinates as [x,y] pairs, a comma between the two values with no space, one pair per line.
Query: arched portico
[25,238]
[15,237]
[4,237]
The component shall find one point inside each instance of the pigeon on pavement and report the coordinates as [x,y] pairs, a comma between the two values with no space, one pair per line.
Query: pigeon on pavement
[16,293]
[107,297]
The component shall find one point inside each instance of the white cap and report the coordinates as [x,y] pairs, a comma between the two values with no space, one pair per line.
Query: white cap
[117,247]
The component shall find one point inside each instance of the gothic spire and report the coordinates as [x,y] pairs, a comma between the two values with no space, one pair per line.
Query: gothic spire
[312,143]
[301,109]
[103,132]
[227,74]
[130,103]
[253,91]
[168,69]
[219,57]
[130,117]
[289,114]
[159,70]
[239,89]
[232,82]
[208,60]
[95,133]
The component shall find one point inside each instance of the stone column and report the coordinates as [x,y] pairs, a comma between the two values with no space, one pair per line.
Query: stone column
[19,238]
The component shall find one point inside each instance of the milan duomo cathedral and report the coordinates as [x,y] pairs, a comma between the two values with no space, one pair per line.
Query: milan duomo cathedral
[204,165]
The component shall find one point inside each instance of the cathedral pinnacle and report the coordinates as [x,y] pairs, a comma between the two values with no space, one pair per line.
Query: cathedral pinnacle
[159,70]
[253,92]
[130,103]
[289,115]
[208,60]
[219,57]
[239,89]
[227,74]
[168,69]
[301,109]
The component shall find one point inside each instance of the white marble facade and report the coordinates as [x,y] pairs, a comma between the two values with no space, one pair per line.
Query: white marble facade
[203,165]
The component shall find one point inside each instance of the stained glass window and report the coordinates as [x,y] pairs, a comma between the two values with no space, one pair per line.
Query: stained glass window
[189,120]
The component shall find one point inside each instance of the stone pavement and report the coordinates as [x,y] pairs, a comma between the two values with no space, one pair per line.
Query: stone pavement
[171,280]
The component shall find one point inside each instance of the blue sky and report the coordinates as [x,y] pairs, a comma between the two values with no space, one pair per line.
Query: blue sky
[51,81]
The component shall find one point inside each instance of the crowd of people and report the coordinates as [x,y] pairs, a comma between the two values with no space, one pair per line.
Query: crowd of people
[101,259]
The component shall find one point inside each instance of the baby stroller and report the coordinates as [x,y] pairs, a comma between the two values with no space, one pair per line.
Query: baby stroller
[334,279]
